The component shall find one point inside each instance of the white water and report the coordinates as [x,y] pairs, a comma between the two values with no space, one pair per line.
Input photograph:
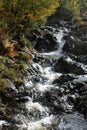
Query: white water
[58,53]
[47,72]
[2,122]
[48,77]
[36,108]
[45,84]
[38,125]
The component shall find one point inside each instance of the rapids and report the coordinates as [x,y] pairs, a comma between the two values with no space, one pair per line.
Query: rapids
[50,98]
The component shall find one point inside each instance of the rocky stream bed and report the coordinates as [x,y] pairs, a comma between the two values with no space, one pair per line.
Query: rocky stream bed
[54,94]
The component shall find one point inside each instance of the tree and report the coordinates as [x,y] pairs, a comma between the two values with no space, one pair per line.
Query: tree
[26,11]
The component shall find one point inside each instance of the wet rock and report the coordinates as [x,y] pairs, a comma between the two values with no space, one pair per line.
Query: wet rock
[44,61]
[83,59]
[75,46]
[57,100]
[46,43]
[71,99]
[63,78]
[76,95]
[73,122]
[65,65]
[53,101]
[80,32]
[81,103]
[9,127]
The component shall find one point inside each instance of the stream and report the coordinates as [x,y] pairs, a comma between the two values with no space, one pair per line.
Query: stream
[54,95]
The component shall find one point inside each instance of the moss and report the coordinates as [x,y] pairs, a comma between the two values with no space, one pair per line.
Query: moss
[3,59]
[24,57]
[19,82]
[25,42]
[13,61]
[19,66]
[14,71]
[2,63]
[1,66]
[10,74]
[3,84]
[22,66]
[29,45]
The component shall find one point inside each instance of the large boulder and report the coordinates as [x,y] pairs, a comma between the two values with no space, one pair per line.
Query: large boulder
[66,65]
[80,32]
[46,43]
[63,79]
[76,42]
[75,46]
[83,59]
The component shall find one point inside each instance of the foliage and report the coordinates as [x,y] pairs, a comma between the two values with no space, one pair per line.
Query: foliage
[7,48]
[26,11]
[71,6]
[78,8]
[21,14]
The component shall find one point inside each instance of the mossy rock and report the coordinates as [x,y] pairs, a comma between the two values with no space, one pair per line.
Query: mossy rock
[1,66]
[18,82]
[24,57]
[3,59]
[24,42]
[3,84]
[19,66]
[2,63]
[10,74]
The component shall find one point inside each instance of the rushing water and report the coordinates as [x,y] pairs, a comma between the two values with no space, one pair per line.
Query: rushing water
[42,114]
